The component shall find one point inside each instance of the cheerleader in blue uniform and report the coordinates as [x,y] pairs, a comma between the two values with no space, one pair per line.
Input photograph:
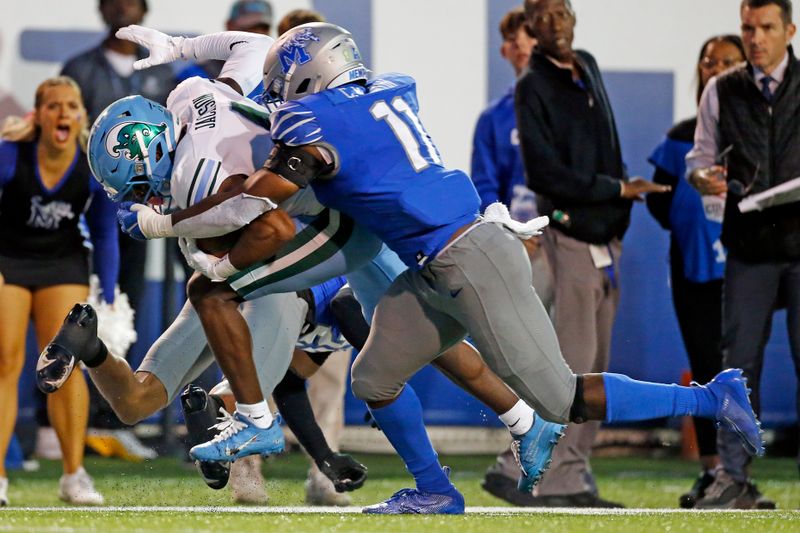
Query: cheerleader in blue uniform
[48,199]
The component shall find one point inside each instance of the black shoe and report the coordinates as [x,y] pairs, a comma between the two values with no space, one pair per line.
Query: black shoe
[346,473]
[725,493]
[698,490]
[505,488]
[199,412]
[580,499]
[76,341]
[760,501]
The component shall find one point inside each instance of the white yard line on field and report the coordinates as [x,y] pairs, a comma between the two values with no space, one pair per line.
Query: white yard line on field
[352,510]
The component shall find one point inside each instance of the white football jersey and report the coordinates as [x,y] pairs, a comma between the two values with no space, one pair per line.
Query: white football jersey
[227,134]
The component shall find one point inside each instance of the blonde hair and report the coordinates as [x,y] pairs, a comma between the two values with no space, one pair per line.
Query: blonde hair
[24,129]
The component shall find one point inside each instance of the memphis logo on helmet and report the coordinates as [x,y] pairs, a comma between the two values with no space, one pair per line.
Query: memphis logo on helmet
[294,49]
[131,139]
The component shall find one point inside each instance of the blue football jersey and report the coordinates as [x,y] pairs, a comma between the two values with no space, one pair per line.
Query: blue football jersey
[698,236]
[388,174]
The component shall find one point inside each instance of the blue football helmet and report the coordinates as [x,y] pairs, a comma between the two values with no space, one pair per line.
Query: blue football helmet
[131,149]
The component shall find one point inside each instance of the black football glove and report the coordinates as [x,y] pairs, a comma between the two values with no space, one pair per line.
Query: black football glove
[346,473]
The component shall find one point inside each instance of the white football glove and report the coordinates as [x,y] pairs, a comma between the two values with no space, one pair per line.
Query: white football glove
[213,268]
[162,47]
[498,213]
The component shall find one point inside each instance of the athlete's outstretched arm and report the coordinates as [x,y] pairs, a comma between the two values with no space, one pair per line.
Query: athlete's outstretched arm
[217,214]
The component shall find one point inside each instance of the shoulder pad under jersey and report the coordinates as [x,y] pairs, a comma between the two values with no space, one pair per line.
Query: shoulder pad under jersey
[294,124]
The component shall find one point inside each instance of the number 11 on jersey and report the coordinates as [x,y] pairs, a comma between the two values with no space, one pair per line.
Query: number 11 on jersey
[410,140]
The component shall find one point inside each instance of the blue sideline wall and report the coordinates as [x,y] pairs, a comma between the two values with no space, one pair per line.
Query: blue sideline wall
[451,47]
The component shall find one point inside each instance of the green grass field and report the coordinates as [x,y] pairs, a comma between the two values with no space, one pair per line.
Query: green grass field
[639,483]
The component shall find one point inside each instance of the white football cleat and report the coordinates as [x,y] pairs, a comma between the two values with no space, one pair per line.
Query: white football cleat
[78,488]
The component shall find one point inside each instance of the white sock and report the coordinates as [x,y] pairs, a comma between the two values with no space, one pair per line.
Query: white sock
[518,419]
[257,413]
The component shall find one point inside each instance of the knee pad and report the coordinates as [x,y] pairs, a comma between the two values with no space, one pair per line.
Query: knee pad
[577,412]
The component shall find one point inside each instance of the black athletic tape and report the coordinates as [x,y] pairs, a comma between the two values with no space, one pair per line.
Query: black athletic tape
[577,412]
[319,358]
[295,164]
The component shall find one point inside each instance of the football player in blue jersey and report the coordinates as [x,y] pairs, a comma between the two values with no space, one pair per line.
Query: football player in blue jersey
[322,247]
[329,243]
[359,143]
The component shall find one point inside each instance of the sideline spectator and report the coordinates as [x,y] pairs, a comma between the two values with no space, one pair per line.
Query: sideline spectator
[46,187]
[105,74]
[752,109]
[572,158]
[246,15]
[697,257]
[499,176]
[297,17]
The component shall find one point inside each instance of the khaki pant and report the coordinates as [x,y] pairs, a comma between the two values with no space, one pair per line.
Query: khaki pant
[585,304]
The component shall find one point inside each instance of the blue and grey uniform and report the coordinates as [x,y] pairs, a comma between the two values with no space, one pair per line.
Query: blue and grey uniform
[389,177]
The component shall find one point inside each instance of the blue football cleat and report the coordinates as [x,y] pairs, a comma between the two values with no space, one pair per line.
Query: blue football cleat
[534,451]
[734,411]
[414,501]
[239,437]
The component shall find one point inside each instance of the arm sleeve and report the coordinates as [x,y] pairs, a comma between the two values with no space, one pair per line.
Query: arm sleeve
[484,162]
[8,162]
[223,218]
[243,52]
[706,136]
[546,173]
[101,219]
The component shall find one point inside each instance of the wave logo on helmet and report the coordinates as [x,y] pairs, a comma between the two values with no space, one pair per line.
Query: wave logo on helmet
[294,49]
[127,138]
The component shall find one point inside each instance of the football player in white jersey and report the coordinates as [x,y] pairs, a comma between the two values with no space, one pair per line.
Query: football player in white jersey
[465,366]
[209,137]
[220,134]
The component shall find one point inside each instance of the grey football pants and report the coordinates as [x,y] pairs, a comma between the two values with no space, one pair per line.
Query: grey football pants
[181,353]
[481,285]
